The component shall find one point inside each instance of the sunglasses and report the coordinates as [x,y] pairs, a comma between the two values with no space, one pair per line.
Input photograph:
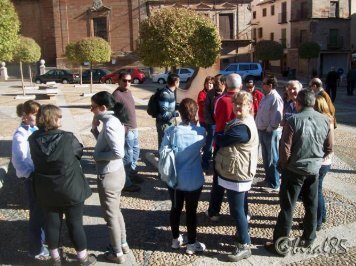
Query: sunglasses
[126,80]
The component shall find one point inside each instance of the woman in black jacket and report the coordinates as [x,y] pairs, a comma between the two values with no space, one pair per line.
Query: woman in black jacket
[59,183]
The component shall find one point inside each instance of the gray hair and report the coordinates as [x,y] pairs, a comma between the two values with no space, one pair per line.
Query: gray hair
[296,84]
[317,82]
[306,98]
[233,81]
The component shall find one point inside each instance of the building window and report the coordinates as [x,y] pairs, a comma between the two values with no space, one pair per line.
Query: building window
[284,38]
[100,27]
[282,17]
[304,10]
[254,37]
[302,36]
[264,12]
[260,33]
[254,14]
[334,9]
[272,36]
[272,10]
[226,26]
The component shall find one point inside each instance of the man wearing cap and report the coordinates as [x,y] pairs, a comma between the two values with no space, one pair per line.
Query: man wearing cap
[256,95]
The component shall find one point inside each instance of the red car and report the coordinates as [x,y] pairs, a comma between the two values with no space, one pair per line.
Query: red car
[137,76]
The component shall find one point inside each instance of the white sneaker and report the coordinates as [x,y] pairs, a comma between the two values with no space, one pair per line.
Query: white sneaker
[248,217]
[214,218]
[196,247]
[178,242]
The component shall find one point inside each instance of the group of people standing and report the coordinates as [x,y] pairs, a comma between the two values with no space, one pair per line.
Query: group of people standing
[48,159]
[295,134]
[231,125]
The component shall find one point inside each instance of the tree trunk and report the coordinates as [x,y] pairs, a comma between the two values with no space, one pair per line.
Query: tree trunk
[91,77]
[23,85]
[80,73]
[30,73]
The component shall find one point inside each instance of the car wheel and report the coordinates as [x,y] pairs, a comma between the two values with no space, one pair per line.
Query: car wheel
[108,81]
[250,78]
[161,81]
[65,81]
[136,81]
[38,81]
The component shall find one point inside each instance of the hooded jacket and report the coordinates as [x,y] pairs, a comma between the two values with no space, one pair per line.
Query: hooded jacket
[58,177]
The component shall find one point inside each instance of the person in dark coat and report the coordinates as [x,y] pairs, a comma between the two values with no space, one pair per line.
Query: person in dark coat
[351,81]
[59,183]
[332,79]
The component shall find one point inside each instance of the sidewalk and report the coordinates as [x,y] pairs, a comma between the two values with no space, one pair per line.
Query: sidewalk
[147,213]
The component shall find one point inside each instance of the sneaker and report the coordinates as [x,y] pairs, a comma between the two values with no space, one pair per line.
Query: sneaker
[214,218]
[56,261]
[132,188]
[90,259]
[196,247]
[125,248]
[114,258]
[248,217]
[178,242]
[243,251]
[270,189]
[43,256]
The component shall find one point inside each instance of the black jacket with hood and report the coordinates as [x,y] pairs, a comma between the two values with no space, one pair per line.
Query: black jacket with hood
[58,177]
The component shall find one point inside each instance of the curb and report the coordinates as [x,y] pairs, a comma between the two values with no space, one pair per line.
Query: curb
[3,173]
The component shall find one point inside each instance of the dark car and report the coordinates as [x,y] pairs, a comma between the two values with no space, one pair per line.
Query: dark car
[98,73]
[58,75]
[137,76]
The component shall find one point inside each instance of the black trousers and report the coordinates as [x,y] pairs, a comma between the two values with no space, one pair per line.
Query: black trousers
[290,188]
[331,90]
[191,199]
[74,221]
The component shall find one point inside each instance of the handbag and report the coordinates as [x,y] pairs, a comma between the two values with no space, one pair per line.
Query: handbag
[167,162]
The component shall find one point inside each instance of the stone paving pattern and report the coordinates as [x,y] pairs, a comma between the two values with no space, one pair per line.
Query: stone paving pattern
[147,213]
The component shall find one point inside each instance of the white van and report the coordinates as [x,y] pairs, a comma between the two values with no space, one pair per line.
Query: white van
[247,71]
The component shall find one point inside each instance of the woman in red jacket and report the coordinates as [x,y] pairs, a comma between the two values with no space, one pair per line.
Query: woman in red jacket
[208,85]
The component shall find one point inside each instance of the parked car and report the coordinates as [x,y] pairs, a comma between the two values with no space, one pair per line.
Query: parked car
[98,73]
[247,71]
[137,76]
[184,74]
[58,75]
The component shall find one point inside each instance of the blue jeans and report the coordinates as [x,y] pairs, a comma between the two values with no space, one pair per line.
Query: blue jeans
[270,154]
[208,148]
[321,213]
[237,210]
[132,153]
[216,197]
[36,222]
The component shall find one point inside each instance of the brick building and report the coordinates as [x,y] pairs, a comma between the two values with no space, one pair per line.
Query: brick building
[55,23]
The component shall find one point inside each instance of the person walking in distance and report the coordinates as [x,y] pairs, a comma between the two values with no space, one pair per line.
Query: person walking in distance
[332,80]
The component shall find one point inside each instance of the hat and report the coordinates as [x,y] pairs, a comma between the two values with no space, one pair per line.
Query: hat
[250,81]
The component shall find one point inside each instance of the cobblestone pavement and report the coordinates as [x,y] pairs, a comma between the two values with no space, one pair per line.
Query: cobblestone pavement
[147,213]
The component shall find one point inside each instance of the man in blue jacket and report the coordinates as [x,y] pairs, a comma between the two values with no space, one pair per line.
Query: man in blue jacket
[167,107]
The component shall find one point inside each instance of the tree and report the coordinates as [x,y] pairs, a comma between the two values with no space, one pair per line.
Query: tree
[27,51]
[309,50]
[72,55]
[93,50]
[178,37]
[9,30]
[268,50]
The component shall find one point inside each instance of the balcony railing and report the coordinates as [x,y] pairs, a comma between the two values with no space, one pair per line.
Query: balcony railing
[336,42]
[282,17]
